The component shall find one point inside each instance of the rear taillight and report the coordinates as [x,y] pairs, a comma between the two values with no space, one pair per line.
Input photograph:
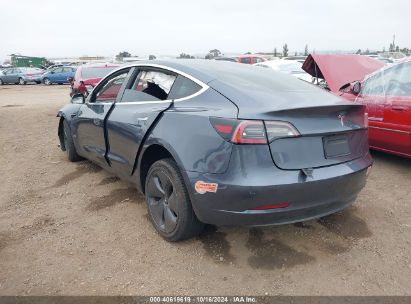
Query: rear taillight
[252,132]
[249,132]
[277,129]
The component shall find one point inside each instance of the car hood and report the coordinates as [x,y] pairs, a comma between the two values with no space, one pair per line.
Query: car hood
[339,70]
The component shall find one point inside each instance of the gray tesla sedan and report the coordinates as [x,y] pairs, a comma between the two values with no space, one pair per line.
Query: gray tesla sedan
[221,143]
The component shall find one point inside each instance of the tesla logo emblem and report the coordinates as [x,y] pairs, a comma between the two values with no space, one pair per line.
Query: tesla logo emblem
[341,117]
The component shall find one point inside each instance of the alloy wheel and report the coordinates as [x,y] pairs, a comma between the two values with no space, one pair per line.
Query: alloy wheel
[162,201]
[21,81]
[47,81]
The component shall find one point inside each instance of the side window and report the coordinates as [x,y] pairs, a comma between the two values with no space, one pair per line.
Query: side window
[150,85]
[110,90]
[399,81]
[183,87]
[374,86]
[67,70]
[57,70]
[246,60]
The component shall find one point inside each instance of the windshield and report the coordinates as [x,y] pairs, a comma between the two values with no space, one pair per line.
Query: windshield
[96,72]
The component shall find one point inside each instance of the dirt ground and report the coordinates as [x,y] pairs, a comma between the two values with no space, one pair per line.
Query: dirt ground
[73,229]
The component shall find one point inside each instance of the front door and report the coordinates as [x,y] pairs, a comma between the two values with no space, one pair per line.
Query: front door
[373,97]
[145,98]
[89,125]
[397,118]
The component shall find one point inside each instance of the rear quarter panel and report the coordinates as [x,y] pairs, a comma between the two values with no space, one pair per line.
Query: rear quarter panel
[186,132]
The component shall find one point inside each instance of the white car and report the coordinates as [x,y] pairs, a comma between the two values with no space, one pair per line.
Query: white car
[290,67]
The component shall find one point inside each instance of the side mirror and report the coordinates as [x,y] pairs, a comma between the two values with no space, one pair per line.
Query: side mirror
[77,99]
[70,79]
[356,88]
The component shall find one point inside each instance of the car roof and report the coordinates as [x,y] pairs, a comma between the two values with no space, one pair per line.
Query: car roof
[207,70]
[100,65]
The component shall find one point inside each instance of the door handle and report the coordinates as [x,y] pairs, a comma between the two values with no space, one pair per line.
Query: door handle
[398,108]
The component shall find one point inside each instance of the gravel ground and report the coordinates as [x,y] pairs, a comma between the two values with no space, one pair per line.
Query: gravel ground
[73,229]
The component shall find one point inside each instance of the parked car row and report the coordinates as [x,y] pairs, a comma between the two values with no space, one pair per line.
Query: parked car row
[24,75]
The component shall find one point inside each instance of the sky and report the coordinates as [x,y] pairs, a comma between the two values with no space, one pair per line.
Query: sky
[72,28]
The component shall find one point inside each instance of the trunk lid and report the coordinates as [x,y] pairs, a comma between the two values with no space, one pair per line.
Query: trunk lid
[329,135]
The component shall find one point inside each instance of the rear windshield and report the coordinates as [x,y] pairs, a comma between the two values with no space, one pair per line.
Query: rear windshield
[96,72]
[32,70]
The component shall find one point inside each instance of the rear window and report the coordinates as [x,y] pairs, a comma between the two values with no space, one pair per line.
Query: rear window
[183,87]
[96,72]
[32,70]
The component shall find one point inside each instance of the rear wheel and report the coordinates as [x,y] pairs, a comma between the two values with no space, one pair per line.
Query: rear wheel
[47,81]
[168,203]
[68,144]
[21,81]
[1,82]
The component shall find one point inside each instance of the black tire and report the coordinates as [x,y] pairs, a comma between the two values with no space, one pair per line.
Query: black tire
[168,203]
[21,81]
[1,82]
[68,144]
[38,82]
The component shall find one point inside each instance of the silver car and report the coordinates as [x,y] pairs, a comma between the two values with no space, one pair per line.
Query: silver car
[21,76]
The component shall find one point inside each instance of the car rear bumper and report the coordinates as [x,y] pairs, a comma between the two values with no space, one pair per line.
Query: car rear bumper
[252,181]
[32,78]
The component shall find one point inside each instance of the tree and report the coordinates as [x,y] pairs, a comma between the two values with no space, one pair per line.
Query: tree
[186,56]
[275,52]
[367,52]
[358,52]
[215,53]
[151,57]
[122,55]
[306,50]
[285,50]
[397,48]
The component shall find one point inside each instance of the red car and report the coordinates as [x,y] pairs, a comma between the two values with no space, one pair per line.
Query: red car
[247,59]
[385,91]
[88,76]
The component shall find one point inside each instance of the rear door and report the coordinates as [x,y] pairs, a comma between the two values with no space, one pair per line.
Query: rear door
[66,73]
[90,121]
[13,77]
[145,98]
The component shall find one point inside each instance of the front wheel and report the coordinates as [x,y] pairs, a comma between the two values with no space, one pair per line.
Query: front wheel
[47,81]
[21,81]
[68,144]
[168,203]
